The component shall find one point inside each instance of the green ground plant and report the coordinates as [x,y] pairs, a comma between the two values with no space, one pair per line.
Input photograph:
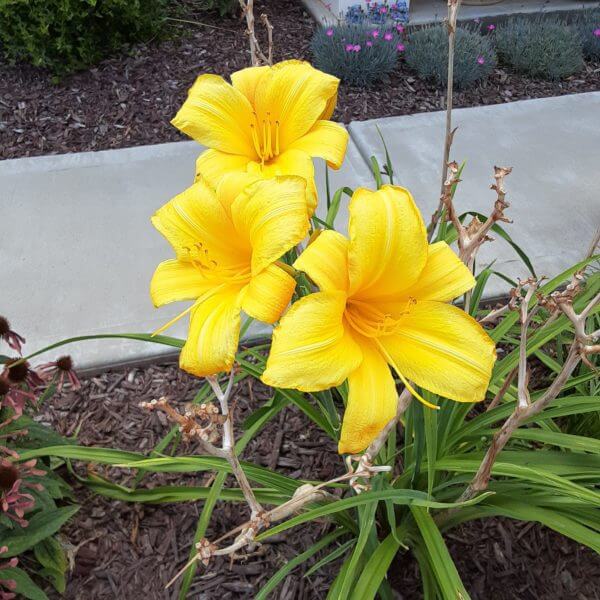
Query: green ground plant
[544,47]
[67,35]
[427,54]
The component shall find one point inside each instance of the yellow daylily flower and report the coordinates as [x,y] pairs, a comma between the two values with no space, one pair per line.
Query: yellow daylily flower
[227,243]
[268,122]
[382,302]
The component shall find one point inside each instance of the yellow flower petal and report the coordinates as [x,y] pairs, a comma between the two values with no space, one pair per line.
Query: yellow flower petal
[329,109]
[231,186]
[212,165]
[295,95]
[213,337]
[198,228]
[217,115]
[271,216]
[444,350]
[444,277]
[176,280]
[388,243]
[311,348]
[326,140]
[325,261]
[292,162]
[246,80]
[268,294]
[372,402]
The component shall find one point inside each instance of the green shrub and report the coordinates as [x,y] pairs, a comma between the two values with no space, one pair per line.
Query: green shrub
[358,54]
[540,47]
[427,54]
[66,35]
[587,24]
[223,7]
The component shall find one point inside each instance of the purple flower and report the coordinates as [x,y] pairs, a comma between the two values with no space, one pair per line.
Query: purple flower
[356,48]
[349,47]
[329,32]
[375,33]
[597,32]
[400,47]
[491,27]
[399,28]
[383,10]
[387,36]
[481,60]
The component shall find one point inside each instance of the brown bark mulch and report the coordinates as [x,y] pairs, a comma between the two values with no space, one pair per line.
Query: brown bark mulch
[130,551]
[129,100]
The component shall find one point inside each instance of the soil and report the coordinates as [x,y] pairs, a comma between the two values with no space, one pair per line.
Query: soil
[130,99]
[130,551]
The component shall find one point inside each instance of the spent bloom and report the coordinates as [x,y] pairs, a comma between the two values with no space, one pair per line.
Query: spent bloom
[62,371]
[7,584]
[227,244]
[14,340]
[269,121]
[383,302]
[329,32]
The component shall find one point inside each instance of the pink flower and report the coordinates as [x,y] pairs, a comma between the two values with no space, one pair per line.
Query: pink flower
[7,584]
[597,32]
[399,28]
[388,36]
[369,43]
[476,20]
[375,33]
[356,48]
[400,47]
[481,60]
[383,10]
[329,32]
[13,502]
[349,47]
[491,27]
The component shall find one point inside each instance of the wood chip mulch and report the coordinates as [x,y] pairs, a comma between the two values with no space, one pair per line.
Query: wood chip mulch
[130,99]
[130,551]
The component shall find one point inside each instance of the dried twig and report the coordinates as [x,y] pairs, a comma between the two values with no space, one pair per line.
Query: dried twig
[257,56]
[453,7]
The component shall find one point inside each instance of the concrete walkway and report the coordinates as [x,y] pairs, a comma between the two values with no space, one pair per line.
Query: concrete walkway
[78,250]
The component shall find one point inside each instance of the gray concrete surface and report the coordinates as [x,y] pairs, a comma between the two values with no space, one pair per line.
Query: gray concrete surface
[553,144]
[77,249]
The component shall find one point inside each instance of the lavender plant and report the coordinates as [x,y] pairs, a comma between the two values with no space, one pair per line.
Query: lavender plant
[541,47]
[427,54]
[359,54]
[587,24]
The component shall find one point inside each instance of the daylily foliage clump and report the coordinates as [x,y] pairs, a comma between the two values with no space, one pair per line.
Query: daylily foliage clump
[244,234]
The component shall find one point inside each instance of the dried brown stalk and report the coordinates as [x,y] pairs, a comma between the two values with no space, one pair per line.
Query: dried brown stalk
[582,345]
[453,7]
[257,56]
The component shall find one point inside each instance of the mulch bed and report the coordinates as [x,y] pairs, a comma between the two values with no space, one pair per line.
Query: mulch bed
[130,551]
[130,99]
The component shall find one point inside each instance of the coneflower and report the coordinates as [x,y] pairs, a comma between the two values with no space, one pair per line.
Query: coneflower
[14,340]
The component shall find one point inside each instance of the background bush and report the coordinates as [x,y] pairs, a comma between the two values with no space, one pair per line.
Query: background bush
[364,65]
[223,7]
[541,47]
[427,54]
[587,24]
[66,35]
